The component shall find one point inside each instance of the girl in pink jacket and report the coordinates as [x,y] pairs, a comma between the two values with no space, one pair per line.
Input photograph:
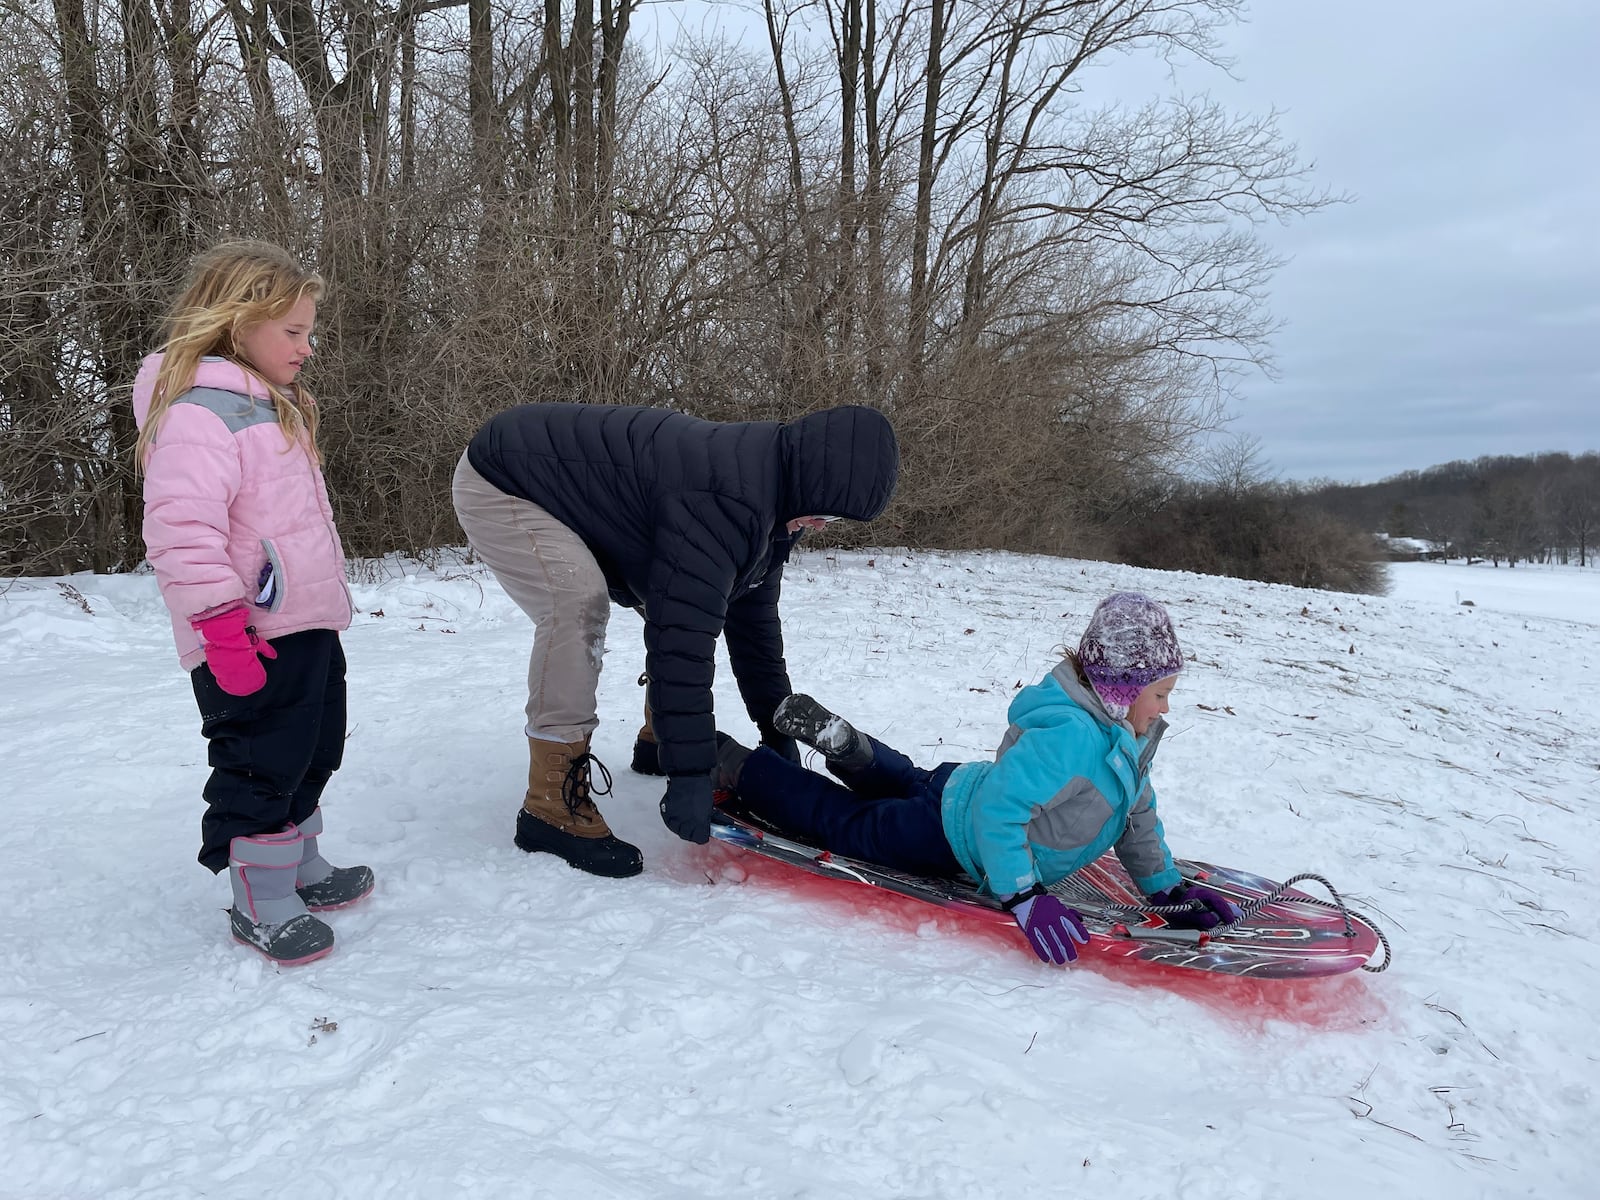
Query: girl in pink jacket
[238,527]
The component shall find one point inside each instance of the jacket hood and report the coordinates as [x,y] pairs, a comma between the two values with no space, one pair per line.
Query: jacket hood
[840,462]
[1086,698]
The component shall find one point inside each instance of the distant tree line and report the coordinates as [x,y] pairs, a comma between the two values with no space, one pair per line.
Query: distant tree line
[1227,517]
[917,205]
[1503,509]
[1260,532]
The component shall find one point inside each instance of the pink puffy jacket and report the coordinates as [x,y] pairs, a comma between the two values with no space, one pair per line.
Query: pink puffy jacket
[234,512]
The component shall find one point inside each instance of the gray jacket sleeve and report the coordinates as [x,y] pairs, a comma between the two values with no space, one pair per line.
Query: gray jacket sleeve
[1142,848]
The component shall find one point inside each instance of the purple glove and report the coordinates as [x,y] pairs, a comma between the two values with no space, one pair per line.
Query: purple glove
[1215,908]
[1051,926]
[231,648]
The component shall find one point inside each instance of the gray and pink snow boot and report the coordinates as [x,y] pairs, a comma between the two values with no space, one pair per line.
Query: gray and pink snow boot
[320,884]
[268,914]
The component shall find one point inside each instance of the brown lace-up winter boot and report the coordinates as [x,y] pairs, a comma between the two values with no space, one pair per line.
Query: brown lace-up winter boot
[558,816]
[646,752]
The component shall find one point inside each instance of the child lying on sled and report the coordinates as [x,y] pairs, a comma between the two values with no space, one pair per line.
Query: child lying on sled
[1070,779]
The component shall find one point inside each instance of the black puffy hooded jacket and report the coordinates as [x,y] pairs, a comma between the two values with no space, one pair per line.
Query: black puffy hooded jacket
[687,519]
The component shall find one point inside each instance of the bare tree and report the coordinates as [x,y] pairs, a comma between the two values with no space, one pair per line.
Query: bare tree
[902,204]
[1234,464]
[1110,250]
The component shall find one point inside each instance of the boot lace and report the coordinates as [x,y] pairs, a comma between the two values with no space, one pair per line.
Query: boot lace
[576,788]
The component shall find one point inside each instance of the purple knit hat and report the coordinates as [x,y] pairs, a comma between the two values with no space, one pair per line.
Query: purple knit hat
[1128,645]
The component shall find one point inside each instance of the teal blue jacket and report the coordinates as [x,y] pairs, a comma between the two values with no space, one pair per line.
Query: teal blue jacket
[1067,783]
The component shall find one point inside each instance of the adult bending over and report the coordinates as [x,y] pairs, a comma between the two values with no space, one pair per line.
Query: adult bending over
[577,506]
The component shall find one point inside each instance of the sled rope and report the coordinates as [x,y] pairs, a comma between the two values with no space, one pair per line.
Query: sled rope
[1249,910]
[1345,911]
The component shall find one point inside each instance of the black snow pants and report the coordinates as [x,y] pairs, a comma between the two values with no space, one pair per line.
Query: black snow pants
[271,753]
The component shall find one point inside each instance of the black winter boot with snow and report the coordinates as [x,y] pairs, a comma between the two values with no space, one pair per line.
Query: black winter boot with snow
[320,884]
[803,719]
[268,914]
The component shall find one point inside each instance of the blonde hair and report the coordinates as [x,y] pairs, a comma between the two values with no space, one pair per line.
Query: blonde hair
[233,287]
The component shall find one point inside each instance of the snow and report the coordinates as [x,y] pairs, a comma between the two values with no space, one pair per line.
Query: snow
[496,1025]
[1529,589]
[1411,544]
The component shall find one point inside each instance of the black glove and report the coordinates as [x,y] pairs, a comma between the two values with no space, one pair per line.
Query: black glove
[686,808]
[784,745]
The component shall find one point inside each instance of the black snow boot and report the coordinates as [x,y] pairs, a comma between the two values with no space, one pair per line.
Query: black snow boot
[608,856]
[803,719]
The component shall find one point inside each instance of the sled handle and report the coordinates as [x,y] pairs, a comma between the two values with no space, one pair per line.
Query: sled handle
[1145,933]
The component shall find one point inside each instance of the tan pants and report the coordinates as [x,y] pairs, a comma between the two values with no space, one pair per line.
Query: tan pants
[549,573]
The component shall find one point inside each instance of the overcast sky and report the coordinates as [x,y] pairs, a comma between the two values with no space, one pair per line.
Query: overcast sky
[1449,309]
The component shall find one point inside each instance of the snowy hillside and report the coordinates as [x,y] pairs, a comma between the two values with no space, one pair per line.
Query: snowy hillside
[496,1025]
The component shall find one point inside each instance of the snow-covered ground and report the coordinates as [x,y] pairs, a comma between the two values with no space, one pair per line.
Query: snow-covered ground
[1528,589]
[496,1025]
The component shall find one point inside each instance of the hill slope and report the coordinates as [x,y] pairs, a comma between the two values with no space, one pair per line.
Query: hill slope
[506,1027]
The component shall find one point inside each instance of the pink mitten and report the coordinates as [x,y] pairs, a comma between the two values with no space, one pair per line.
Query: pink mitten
[231,650]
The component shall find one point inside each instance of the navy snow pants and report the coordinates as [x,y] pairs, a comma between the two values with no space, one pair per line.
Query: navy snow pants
[886,812]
